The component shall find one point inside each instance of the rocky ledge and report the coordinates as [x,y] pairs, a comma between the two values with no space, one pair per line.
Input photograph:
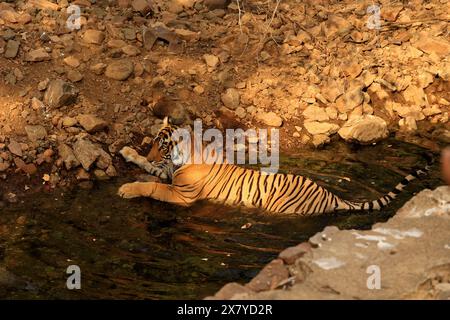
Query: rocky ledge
[407,257]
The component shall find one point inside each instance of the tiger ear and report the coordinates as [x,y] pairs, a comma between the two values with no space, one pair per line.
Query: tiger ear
[166,121]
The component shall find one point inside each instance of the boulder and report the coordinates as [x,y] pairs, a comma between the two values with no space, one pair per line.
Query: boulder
[364,129]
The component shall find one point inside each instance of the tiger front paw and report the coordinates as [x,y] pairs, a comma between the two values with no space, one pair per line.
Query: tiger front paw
[129,154]
[129,191]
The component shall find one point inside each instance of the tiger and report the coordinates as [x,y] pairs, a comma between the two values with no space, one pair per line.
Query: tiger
[233,185]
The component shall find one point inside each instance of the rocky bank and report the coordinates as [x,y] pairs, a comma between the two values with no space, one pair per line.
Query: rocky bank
[71,97]
[410,253]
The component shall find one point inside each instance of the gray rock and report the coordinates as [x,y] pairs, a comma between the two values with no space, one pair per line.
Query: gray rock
[60,93]
[410,252]
[35,133]
[87,153]
[68,157]
[12,48]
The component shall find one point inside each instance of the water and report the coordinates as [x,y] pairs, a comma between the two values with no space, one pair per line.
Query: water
[144,249]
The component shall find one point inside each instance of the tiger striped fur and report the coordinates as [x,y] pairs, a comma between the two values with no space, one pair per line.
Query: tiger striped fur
[233,185]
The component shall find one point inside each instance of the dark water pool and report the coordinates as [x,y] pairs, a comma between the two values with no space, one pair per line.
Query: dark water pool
[144,249]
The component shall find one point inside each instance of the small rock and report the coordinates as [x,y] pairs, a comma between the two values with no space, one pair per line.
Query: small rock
[317,128]
[74,76]
[119,70]
[35,133]
[91,123]
[199,89]
[231,98]
[270,119]
[111,171]
[240,112]
[142,6]
[98,68]
[415,95]
[4,166]
[85,152]
[211,60]
[319,140]
[37,104]
[37,55]
[15,148]
[116,43]
[60,93]
[131,50]
[42,85]
[353,99]
[29,168]
[365,129]
[82,175]
[129,34]
[100,175]
[68,157]
[315,113]
[69,122]
[72,61]
[93,36]
[12,48]
[408,124]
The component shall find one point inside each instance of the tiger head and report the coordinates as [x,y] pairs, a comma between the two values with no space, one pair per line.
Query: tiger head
[162,144]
